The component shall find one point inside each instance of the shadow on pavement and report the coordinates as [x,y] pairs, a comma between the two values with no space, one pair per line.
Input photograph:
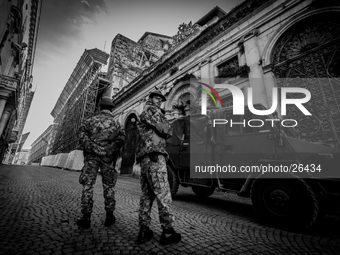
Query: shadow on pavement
[326,226]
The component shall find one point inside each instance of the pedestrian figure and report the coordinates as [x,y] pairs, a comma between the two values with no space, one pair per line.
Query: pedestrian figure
[154,129]
[101,137]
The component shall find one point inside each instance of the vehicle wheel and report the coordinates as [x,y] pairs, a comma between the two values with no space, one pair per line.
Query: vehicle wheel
[203,191]
[285,203]
[173,180]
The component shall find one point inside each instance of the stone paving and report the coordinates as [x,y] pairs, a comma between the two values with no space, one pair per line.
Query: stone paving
[39,206]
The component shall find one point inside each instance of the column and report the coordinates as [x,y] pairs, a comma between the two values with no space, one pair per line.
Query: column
[3,100]
[256,79]
[205,78]
[270,83]
[207,73]
[5,117]
[241,54]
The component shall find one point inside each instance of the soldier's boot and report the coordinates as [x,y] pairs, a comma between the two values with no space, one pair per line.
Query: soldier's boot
[85,221]
[144,235]
[169,236]
[110,219]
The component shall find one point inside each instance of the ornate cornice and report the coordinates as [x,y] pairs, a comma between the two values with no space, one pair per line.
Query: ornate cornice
[162,66]
[186,77]
[184,32]
[33,27]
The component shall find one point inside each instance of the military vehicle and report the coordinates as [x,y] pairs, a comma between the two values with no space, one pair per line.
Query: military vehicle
[291,200]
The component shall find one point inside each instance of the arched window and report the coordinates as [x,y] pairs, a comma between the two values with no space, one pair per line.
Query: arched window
[308,56]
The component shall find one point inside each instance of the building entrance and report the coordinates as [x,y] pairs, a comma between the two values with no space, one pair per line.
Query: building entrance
[129,148]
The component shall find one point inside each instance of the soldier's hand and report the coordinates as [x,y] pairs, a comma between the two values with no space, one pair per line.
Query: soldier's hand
[99,150]
[115,145]
[167,128]
[87,146]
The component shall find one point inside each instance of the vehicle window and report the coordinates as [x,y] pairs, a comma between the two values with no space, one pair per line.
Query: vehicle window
[258,124]
[247,129]
[266,127]
[233,129]
[226,128]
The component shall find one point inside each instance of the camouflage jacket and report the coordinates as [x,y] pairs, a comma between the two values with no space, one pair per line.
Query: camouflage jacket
[101,137]
[153,129]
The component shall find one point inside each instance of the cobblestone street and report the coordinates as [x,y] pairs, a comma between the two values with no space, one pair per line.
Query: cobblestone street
[39,206]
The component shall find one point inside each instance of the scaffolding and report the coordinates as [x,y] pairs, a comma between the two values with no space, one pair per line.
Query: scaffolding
[79,100]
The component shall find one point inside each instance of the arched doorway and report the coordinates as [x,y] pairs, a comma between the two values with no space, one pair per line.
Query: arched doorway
[185,95]
[183,102]
[129,148]
[308,56]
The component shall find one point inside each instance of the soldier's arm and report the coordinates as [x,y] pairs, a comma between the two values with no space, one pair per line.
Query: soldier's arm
[121,134]
[155,119]
[151,118]
[119,139]
[82,133]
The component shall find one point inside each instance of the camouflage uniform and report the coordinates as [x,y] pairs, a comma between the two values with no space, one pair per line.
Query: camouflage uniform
[153,131]
[101,138]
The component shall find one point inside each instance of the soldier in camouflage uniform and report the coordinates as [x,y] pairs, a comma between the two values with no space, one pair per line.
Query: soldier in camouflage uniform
[101,137]
[154,129]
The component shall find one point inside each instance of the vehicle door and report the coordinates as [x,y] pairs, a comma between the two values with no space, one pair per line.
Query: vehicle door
[246,140]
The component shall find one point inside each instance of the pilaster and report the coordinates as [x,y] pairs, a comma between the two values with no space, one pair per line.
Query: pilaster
[5,117]
[253,60]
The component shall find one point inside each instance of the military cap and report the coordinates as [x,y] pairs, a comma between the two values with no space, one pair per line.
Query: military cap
[157,93]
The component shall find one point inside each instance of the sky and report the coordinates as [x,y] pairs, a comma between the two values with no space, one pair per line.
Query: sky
[68,27]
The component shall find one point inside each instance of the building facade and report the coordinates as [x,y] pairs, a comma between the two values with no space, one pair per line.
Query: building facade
[79,100]
[128,59]
[21,157]
[19,22]
[39,147]
[87,86]
[259,44]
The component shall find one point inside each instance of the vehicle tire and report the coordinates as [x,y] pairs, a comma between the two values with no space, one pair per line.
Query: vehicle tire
[173,180]
[203,191]
[285,203]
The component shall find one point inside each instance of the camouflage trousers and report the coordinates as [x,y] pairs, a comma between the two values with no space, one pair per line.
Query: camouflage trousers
[155,185]
[88,178]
